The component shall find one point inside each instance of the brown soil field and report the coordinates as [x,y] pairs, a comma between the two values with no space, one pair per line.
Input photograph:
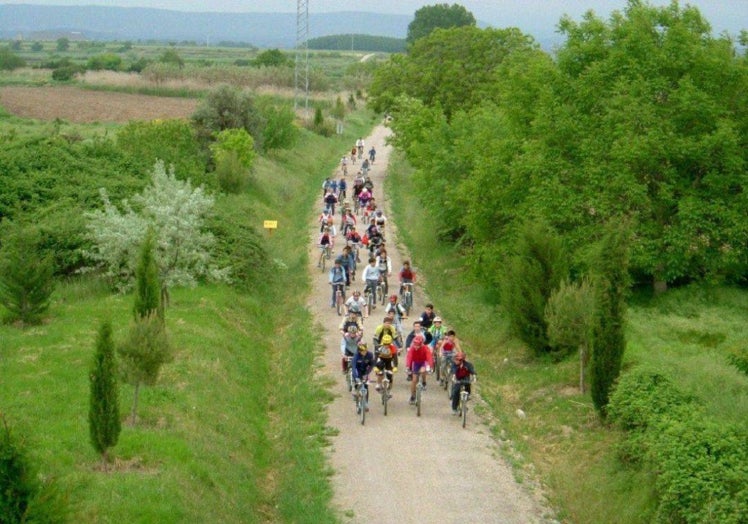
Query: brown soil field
[83,106]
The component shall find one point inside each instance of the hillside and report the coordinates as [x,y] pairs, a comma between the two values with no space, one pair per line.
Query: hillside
[119,23]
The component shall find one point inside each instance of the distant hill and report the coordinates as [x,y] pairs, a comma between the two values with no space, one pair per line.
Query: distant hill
[266,30]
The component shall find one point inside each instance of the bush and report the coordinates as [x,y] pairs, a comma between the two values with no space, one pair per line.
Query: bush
[65,73]
[228,108]
[280,132]
[272,58]
[23,497]
[9,60]
[739,358]
[531,274]
[26,275]
[231,174]
[108,61]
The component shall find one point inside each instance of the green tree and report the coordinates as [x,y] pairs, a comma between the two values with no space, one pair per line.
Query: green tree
[63,44]
[227,107]
[23,496]
[26,275]
[108,61]
[176,212]
[148,291]
[142,355]
[170,56]
[569,314]
[272,58]
[280,131]
[237,142]
[37,46]
[9,60]
[611,283]
[103,415]
[531,275]
[430,17]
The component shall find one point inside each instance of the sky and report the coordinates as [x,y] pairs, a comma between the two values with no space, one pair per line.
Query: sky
[528,15]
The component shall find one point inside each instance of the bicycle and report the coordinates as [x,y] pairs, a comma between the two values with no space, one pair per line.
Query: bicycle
[325,252]
[445,368]
[371,299]
[386,388]
[381,297]
[362,399]
[464,397]
[419,392]
[348,372]
[339,298]
[407,297]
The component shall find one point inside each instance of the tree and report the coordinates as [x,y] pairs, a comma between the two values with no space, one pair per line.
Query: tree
[142,354]
[37,46]
[26,275]
[9,60]
[532,273]
[170,56]
[226,107]
[148,290]
[237,142]
[611,284]
[272,58]
[430,17]
[176,212]
[103,415]
[63,44]
[23,496]
[569,314]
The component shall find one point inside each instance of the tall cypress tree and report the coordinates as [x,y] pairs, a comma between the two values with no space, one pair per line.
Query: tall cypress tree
[611,287]
[103,414]
[148,288]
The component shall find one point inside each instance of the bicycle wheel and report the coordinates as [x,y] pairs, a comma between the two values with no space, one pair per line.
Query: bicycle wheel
[349,377]
[362,404]
[408,302]
[385,394]
[339,301]
[463,407]
[419,394]
[437,366]
[322,260]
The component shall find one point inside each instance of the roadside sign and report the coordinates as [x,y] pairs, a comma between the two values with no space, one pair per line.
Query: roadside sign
[270,225]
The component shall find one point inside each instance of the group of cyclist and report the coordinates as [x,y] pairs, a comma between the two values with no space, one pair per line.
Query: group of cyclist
[367,246]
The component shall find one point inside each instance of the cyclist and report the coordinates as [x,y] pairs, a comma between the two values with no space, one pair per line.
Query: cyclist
[351,333]
[385,328]
[342,186]
[354,150]
[438,332]
[372,154]
[354,239]
[418,360]
[348,261]
[348,221]
[398,313]
[360,147]
[374,241]
[344,165]
[370,275]
[364,197]
[418,331]
[380,220]
[385,266]
[337,278]
[406,275]
[463,373]
[325,240]
[363,363]
[386,360]
[325,219]
[365,167]
[330,201]
[355,304]
[427,317]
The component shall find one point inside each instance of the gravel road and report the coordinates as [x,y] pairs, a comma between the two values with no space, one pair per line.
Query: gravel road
[400,467]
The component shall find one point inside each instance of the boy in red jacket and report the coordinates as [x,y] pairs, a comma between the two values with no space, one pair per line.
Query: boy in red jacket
[418,359]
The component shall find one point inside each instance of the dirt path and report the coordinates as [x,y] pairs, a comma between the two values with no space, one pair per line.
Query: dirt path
[404,468]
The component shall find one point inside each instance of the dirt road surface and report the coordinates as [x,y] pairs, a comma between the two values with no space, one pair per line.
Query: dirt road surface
[400,467]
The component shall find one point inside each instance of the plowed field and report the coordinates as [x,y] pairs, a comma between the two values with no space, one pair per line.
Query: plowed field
[85,106]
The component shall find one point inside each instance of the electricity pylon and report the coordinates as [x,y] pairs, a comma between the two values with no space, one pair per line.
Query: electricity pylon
[301,70]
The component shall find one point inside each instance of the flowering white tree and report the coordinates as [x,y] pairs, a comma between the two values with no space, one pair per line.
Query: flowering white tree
[176,212]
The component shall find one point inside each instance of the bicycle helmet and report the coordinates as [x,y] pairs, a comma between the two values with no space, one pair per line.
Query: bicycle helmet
[417,340]
[393,297]
[352,329]
[386,340]
[363,347]
[437,319]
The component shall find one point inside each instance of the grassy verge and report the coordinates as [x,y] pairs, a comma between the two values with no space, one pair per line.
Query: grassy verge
[234,431]
[687,332]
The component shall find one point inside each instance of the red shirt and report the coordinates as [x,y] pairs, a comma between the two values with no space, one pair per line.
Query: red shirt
[419,355]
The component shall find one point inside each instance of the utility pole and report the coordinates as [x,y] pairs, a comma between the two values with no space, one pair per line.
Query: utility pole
[301,70]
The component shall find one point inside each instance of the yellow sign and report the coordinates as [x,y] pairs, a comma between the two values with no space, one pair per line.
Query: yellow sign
[270,224]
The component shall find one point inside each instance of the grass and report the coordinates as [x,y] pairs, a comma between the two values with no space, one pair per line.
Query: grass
[687,332]
[234,431]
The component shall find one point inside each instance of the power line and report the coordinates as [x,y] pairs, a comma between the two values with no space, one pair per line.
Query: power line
[301,71]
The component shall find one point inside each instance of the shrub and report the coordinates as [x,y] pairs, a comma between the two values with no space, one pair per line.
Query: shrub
[272,58]
[228,108]
[103,414]
[531,274]
[65,73]
[280,132]
[739,358]
[231,174]
[9,60]
[37,46]
[23,497]
[26,275]
[108,61]
[236,142]
[170,56]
